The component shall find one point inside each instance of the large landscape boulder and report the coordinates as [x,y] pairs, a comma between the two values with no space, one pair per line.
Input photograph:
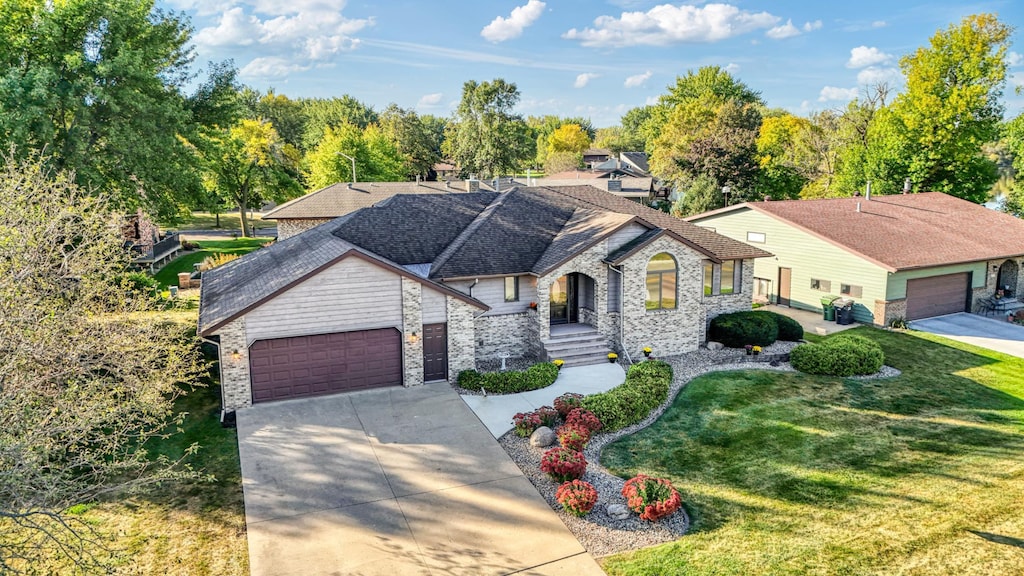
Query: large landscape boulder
[542,437]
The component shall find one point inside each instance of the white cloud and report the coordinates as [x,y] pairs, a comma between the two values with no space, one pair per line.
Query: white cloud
[501,29]
[831,93]
[429,100]
[877,75]
[1014,59]
[584,79]
[787,30]
[879,24]
[234,29]
[862,56]
[638,79]
[271,68]
[651,100]
[732,68]
[667,24]
[811,26]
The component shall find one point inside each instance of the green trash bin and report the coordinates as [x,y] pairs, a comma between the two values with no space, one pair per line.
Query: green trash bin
[828,307]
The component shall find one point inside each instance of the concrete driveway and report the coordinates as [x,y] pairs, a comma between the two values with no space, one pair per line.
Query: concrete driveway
[998,335]
[392,482]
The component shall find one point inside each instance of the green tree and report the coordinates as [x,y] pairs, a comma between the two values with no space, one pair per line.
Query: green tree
[87,373]
[568,138]
[952,107]
[377,158]
[562,161]
[709,80]
[485,137]
[783,157]
[698,196]
[1013,136]
[415,141]
[323,113]
[99,85]
[286,115]
[248,163]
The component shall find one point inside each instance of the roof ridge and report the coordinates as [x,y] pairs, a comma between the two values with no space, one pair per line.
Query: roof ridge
[475,225]
[280,207]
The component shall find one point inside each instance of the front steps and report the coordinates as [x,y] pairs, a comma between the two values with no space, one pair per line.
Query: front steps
[581,346]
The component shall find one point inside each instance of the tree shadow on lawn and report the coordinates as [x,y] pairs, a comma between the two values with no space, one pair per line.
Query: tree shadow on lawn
[831,441]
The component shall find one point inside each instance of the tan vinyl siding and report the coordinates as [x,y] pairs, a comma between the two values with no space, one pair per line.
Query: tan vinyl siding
[434,308]
[808,256]
[491,291]
[898,280]
[624,235]
[351,295]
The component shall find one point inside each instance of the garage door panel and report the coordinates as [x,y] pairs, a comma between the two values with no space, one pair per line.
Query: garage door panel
[937,295]
[310,365]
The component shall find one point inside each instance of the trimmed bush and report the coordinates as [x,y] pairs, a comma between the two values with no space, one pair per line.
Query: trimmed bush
[577,497]
[535,377]
[789,330]
[652,498]
[567,402]
[840,355]
[583,418]
[573,437]
[645,388]
[563,464]
[738,329]
[526,422]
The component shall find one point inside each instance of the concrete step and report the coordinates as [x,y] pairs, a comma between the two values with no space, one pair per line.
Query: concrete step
[574,336]
[597,348]
[585,361]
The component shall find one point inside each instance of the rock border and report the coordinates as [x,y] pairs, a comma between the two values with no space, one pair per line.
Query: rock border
[599,533]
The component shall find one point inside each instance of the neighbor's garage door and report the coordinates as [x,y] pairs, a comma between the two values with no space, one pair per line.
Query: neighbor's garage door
[935,296]
[326,363]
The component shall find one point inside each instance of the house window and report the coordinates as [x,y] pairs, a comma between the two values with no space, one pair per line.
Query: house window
[511,288]
[709,278]
[661,282]
[821,285]
[728,277]
[850,290]
[723,279]
[757,237]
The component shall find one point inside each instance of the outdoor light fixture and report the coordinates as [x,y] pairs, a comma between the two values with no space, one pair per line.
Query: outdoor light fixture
[414,338]
[236,355]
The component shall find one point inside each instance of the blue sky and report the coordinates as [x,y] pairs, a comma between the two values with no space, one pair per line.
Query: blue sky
[575,57]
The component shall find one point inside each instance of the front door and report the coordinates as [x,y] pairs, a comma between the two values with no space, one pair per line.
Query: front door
[435,352]
[563,300]
[785,277]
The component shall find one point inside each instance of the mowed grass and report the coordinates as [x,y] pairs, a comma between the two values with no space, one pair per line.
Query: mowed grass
[168,275]
[207,221]
[786,473]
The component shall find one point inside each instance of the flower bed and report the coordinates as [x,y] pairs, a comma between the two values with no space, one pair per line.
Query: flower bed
[651,498]
[573,436]
[563,464]
[577,497]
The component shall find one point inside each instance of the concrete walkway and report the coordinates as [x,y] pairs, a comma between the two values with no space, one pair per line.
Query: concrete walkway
[812,322]
[392,482]
[998,335]
[496,412]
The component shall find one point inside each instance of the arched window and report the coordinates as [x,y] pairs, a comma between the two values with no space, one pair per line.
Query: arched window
[661,282]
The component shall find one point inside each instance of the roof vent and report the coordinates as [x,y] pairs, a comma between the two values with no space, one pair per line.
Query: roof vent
[906,186]
[867,191]
[858,206]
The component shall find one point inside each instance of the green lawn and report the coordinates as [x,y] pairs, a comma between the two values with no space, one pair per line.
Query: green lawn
[786,473]
[207,221]
[168,275]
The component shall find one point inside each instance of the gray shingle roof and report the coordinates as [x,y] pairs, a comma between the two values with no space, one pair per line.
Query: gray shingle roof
[580,232]
[342,198]
[626,249]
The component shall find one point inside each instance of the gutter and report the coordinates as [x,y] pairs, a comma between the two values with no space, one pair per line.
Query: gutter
[622,316]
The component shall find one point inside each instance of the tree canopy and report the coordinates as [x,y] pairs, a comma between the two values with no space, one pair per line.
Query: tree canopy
[484,136]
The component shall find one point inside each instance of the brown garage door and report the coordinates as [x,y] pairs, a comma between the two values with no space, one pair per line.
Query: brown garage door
[325,363]
[935,296]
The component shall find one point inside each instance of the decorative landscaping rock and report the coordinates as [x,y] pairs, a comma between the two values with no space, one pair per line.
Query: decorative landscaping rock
[618,511]
[715,345]
[542,437]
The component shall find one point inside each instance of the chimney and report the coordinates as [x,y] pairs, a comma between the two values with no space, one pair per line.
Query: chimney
[906,186]
[615,185]
[867,191]
[472,185]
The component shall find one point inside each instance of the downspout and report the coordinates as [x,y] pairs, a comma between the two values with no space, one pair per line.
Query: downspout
[622,316]
[220,366]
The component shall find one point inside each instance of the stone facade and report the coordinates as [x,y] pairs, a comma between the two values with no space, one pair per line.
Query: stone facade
[724,303]
[412,323]
[288,227]
[888,310]
[511,334]
[590,263]
[461,341]
[236,391]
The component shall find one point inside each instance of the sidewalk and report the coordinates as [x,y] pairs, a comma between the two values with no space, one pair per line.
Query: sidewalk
[496,412]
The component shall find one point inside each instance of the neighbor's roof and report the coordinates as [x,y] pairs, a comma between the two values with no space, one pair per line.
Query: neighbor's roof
[630,186]
[527,230]
[638,159]
[342,198]
[904,231]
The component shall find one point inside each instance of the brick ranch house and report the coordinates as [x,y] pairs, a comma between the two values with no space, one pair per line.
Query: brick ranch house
[421,287]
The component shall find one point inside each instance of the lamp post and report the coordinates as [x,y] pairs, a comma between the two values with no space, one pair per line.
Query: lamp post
[353,164]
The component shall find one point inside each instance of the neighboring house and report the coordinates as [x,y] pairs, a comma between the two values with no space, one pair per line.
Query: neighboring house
[325,204]
[637,161]
[636,189]
[911,256]
[596,155]
[421,287]
[445,170]
[142,236]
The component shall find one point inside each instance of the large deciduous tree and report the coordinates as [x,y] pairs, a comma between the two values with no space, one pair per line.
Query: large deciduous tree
[321,114]
[87,372]
[485,137]
[414,140]
[377,159]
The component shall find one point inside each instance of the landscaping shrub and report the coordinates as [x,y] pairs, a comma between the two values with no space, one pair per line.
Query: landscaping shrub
[738,329]
[573,437]
[652,498]
[535,377]
[563,464]
[645,388]
[548,416]
[219,259]
[789,330]
[584,419]
[526,422]
[577,497]
[567,402]
[140,283]
[840,355]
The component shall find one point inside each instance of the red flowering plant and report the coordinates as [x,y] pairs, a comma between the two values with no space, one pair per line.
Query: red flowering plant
[652,498]
[585,419]
[577,497]
[567,402]
[526,423]
[563,464]
[573,436]
[548,416]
